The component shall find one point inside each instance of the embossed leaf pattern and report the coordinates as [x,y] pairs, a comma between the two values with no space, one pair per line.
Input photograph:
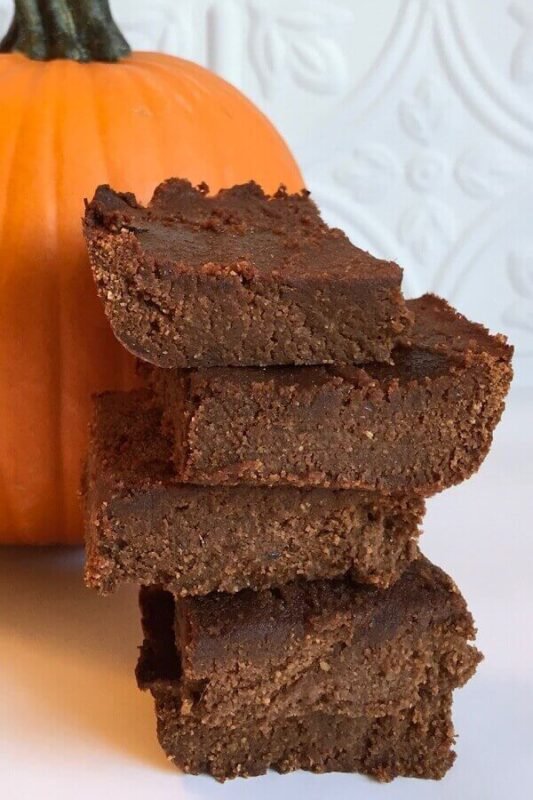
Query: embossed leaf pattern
[522,55]
[368,173]
[299,45]
[427,229]
[522,60]
[317,64]
[267,54]
[420,114]
[520,270]
[303,18]
[480,173]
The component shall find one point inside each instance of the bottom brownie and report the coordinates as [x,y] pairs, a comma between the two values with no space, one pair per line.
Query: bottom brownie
[322,675]
[416,742]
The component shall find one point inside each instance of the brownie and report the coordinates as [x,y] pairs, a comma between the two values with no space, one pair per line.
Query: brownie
[143,526]
[315,675]
[416,742]
[419,425]
[238,279]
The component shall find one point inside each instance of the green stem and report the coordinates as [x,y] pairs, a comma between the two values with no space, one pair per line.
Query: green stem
[81,30]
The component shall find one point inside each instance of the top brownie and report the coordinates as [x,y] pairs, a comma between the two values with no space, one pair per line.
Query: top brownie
[238,279]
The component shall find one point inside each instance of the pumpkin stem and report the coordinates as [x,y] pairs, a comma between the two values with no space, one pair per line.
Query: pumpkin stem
[81,30]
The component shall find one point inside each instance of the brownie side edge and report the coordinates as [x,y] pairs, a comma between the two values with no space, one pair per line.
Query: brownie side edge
[258,627]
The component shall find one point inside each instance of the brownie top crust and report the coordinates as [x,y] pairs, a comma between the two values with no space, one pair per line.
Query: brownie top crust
[441,329]
[241,231]
[259,626]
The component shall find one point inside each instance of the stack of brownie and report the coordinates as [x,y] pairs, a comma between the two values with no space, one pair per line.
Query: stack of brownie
[266,486]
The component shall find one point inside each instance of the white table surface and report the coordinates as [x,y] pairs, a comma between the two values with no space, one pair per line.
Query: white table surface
[73,725]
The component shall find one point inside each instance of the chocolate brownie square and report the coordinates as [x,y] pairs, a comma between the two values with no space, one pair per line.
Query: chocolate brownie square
[418,425]
[238,279]
[323,675]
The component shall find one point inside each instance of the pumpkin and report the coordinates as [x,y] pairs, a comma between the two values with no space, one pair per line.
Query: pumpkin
[78,109]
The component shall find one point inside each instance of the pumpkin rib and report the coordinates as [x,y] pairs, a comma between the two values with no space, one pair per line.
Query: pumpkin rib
[154,67]
[214,114]
[8,515]
[10,69]
[88,123]
[19,170]
[194,73]
[201,142]
[95,85]
[10,519]
[150,99]
[15,130]
[101,119]
[190,83]
[187,76]
[157,71]
[151,163]
[55,300]
[57,362]
[257,120]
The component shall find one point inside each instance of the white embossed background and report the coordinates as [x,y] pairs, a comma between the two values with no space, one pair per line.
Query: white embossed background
[412,121]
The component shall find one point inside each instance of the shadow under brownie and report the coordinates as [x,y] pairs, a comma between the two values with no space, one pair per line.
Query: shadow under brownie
[316,675]
[143,526]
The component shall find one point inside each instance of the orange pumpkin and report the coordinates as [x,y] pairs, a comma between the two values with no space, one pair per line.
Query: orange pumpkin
[67,123]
